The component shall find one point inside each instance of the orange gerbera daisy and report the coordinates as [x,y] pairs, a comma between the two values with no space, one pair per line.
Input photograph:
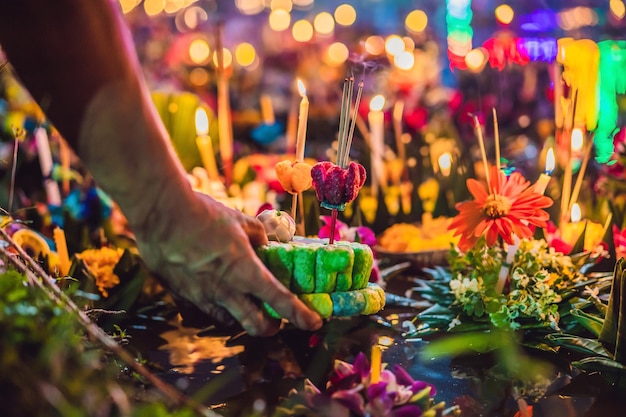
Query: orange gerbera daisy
[510,209]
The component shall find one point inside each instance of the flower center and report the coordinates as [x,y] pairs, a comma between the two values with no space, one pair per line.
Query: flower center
[496,206]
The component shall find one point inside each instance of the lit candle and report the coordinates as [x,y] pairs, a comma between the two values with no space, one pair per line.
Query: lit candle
[544,178]
[303,117]
[64,259]
[45,163]
[205,146]
[376,120]
[445,164]
[376,364]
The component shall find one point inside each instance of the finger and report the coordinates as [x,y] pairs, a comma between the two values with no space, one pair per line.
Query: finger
[287,305]
[250,315]
[255,231]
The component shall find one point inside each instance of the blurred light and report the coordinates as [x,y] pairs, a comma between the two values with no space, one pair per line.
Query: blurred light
[504,14]
[577,139]
[523,121]
[575,215]
[377,103]
[279,20]
[416,21]
[153,7]
[193,16]
[245,54]
[302,3]
[336,54]
[250,7]
[285,5]
[324,23]
[302,31]
[345,15]
[445,163]
[128,5]
[173,6]
[576,18]
[459,32]
[202,122]
[538,49]
[539,21]
[476,60]
[173,107]
[617,8]
[374,45]
[404,60]
[394,44]
[301,88]
[199,77]
[409,44]
[227,56]
[199,51]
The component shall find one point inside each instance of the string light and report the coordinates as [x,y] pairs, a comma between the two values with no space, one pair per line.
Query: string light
[458,20]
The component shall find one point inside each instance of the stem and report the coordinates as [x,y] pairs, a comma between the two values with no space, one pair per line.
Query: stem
[333,221]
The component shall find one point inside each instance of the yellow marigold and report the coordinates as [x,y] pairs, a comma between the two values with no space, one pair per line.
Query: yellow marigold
[101,262]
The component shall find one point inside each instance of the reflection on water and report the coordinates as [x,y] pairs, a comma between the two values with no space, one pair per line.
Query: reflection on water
[186,349]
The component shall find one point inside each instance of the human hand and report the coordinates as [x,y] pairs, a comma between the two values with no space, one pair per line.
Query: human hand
[204,254]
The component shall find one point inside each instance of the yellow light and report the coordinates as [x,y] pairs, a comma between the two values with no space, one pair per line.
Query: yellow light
[404,60]
[345,15]
[475,60]
[228,58]
[394,44]
[173,6]
[302,31]
[374,45]
[245,54]
[250,7]
[199,51]
[324,23]
[409,44]
[153,7]
[416,21]
[617,8]
[302,3]
[202,122]
[504,14]
[285,5]
[194,16]
[279,20]
[128,5]
[577,140]
[336,54]
[550,161]
[199,77]
[576,214]
[377,103]
[445,163]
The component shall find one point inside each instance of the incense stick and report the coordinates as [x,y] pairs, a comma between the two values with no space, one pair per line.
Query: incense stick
[581,174]
[355,115]
[496,137]
[481,142]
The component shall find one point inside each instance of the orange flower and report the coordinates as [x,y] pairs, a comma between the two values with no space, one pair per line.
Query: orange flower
[510,209]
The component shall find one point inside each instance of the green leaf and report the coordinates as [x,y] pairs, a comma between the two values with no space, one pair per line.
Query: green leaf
[596,364]
[589,321]
[579,344]
[458,344]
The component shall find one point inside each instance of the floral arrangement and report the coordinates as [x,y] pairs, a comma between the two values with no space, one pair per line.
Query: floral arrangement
[501,275]
[352,390]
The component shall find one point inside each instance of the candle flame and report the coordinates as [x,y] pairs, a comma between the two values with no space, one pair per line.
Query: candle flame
[445,163]
[575,215]
[202,122]
[550,162]
[377,103]
[301,88]
[577,139]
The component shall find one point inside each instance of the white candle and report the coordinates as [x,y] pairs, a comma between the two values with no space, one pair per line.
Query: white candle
[45,162]
[303,116]
[376,120]
[544,178]
[445,164]
[205,146]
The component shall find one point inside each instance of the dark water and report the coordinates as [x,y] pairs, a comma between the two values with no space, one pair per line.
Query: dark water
[236,373]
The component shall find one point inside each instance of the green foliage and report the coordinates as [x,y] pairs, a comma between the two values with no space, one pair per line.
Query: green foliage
[48,367]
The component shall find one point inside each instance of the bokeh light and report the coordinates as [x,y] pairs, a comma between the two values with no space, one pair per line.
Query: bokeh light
[409,44]
[324,23]
[374,45]
[302,3]
[345,15]
[228,58]
[394,44]
[377,103]
[194,16]
[302,31]
[618,9]
[336,54]
[405,60]
[245,54]
[173,6]
[476,59]
[128,5]
[199,77]
[279,20]
[153,7]
[285,5]
[199,51]
[504,14]
[250,7]
[416,21]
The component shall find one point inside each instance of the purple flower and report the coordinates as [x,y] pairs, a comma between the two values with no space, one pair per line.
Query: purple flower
[361,234]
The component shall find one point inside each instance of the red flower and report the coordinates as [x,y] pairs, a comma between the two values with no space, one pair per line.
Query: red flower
[510,208]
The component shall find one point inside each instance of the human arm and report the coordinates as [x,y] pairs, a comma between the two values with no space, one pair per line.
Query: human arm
[76,58]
